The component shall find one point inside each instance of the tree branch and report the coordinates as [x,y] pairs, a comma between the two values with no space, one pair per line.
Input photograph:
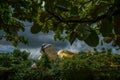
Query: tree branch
[89,20]
[55,16]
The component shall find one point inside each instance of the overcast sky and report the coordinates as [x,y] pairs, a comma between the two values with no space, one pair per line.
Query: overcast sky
[36,40]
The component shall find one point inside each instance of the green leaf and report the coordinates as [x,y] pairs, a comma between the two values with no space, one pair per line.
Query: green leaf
[44,16]
[72,37]
[107,39]
[92,39]
[106,27]
[15,43]
[74,10]
[35,29]
[117,24]
[83,32]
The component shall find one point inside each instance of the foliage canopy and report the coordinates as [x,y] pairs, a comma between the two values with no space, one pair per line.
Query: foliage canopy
[83,66]
[81,19]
